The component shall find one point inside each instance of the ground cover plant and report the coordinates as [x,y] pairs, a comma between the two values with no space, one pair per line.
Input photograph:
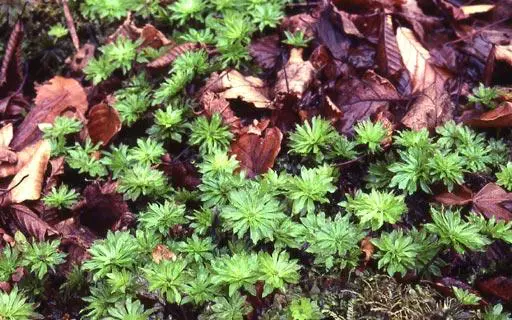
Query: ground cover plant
[254,159]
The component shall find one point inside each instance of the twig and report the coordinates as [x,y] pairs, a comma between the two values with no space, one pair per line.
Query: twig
[71,24]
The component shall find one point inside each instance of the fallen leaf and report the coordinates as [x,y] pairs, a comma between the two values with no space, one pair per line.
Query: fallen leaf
[11,71]
[368,249]
[461,196]
[103,123]
[456,12]
[212,104]
[504,53]
[295,77]
[501,117]
[148,35]
[477,8]
[81,58]
[161,252]
[57,169]
[329,34]
[182,174]
[489,200]
[231,84]
[31,224]
[389,59]
[257,154]
[173,53]
[266,51]
[500,287]
[53,99]
[256,127]
[6,134]
[433,106]
[348,25]
[23,157]
[416,17]
[304,22]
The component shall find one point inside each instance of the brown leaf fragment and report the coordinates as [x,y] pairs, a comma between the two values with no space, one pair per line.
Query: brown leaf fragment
[71,24]
[504,53]
[433,106]
[500,287]
[23,157]
[231,84]
[161,252]
[53,99]
[489,200]
[368,249]
[461,196]
[29,223]
[389,59]
[329,33]
[149,35]
[348,25]
[103,123]
[501,117]
[266,51]
[173,53]
[257,154]
[296,76]
[12,68]
[8,156]
[456,12]
[212,104]
[81,58]
[182,174]
[6,134]
[416,17]
[304,22]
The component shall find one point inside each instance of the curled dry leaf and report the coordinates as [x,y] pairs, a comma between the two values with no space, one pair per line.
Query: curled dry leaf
[149,35]
[173,53]
[103,123]
[257,154]
[213,103]
[501,117]
[29,223]
[6,154]
[433,105]
[11,71]
[389,59]
[231,84]
[53,99]
[489,200]
[161,252]
[80,59]
[368,249]
[295,77]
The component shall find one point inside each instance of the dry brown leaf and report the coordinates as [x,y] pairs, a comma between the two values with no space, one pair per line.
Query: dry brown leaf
[388,54]
[11,63]
[103,124]
[161,252]
[231,84]
[348,25]
[28,182]
[504,53]
[368,249]
[501,117]
[433,106]
[488,202]
[23,157]
[477,8]
[31,224]
[461,196]
[80,59]
[53,99]
[150,36]
[266,51]
[416,17]
[173,53]
[212,103]
[257,154]
[296,76]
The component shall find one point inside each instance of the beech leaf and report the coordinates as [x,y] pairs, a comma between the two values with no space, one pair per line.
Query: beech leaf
[295,77]
[488,202]
[29,222]
[104,123]
[501,117]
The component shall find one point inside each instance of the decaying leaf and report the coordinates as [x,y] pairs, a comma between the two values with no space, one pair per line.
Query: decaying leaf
[53,99]
[231,84]
[295,77]
[461,196]
[161,252]
[81,58]
[348,25]
[182,173]
[266,51]
[11,63]
[172,54]
[23,157]
[149,35]
[257,154]
[504,53]
[388,55]
[489,200]
[6,154]
[500,287]
[29,223]
[433,105]
[501,117]
[368,249]
[103,123]
[212,103]
[416,17]
[303,22]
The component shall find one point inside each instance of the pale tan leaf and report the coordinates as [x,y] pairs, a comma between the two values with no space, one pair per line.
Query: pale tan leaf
[296,76]
[6,134]
[504,53]
[28,182]
[161,253]
[478,8]
[23,157]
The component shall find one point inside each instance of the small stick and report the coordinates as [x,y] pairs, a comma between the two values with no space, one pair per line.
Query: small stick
[71,24]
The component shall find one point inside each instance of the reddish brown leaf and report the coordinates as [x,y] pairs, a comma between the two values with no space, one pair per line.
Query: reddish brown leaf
[367,248]
[71,24]
[416,17]
[152,37]
[53,99]
[348,25]
[161,252]
[266,51]
[295,77]
[456,12]
[80,59]
[388,55]
[489,202]
[322,60]
[182,174]
[172,54]
[212,103]
[328,32]
[500,287]
[104,123]
[501,117]
[11,63]
[304,22]
[31,224]
[257,154]
[461,196]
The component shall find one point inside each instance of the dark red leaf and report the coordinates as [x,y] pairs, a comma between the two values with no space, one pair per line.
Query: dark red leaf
[461,196]
[489,200]
[30,224]
[500,287]
[11,71]
[501,117]
[104,123]
[266,51]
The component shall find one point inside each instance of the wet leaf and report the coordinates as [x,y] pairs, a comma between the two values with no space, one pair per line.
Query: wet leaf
[331,35]
[461,196]
[257,154]
[103,123]
[11,71]
[296,76]
[501,117]
[500,287]
[433,105]
[489,200]
[388,55]
[31,224]
[266,51]
[53,99]
[161,252]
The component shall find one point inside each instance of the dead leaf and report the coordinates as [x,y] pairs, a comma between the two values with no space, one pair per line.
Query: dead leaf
[23,157]
[31,224]
[416,17]
[231,84]
[173,53]
[53,99]
[461,196]
[212,104]
[28,182]
[477,8]
[501,117]
[11,71]
[348,25]
[388,55]
[81,58]
[70,24]
[330,34]
[295,77]
[433,106]
[266,51]
[456,12]
[257,154]
[489,199]
[256,127]
[6,134]
[504,53]
[149,35]
[161,252]
[368,249]
[103,123]
[182,173]
[500,287]
[304,22]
